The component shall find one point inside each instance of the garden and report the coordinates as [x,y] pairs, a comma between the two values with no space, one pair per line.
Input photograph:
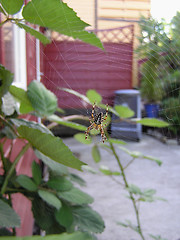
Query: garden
[61,207]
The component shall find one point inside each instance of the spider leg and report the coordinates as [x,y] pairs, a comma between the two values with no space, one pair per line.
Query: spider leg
[88,130]
[92,114]
[102,133]
[104,118]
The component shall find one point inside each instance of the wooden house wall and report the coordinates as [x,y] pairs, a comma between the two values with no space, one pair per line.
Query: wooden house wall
[21,205]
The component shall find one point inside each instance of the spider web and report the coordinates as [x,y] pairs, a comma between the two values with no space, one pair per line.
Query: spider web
[171,117]
[87,109]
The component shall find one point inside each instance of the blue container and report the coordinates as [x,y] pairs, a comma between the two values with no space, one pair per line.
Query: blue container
[152,110]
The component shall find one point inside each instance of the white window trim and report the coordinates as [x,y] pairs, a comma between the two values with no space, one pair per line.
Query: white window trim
[20,70]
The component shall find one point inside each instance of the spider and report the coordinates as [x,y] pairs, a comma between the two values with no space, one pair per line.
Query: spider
[96,121]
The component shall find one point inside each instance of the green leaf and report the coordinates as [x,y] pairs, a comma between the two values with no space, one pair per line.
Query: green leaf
[50,146]
[89,169]
[134,189]
[55,11]
[159,162]
[43,100]
[158,237]
[59,184]
[153,122]
[75,178]
[116,141]
[43,213]
[106,171]
[5,232]
[136,154]
[80,137]
[83,97]
[50,198]
[74,195]
[34,33]
[64,216]
[26,182]
[12,6]
[60,110]
[55,118]
[88,220]
[54,166]
[6,78]
[110,109]
[21,96]
[93,96]
[8,217]
[128,224]
[123,111]
[63,236]
[54,16]
[30,124]
[36,173]
[96,153]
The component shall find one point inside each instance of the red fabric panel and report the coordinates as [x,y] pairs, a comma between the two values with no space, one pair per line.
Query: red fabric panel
[80,67]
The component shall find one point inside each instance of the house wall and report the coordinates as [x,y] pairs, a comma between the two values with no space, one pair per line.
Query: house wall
[21,204]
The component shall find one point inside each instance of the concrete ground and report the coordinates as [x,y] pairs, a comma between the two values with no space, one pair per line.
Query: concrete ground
[157,218]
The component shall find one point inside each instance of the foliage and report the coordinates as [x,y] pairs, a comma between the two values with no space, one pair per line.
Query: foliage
[153,36]
[54,203]
[135,194]
[55,200]
[64,236]
[53,16]
[57,205]
[170,111]
[159,48]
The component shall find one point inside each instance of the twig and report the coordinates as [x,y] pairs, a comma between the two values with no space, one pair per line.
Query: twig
[130,194]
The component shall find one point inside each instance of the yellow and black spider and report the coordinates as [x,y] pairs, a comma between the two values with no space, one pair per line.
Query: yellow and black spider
[96,121]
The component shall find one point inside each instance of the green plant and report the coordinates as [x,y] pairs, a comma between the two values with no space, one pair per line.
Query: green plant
[170,109]
[136,195]
[56,204]
[58,194]
[153,37]
[64,205]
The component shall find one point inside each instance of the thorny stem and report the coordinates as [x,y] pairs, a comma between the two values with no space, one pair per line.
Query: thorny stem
[130,194]
[10,172]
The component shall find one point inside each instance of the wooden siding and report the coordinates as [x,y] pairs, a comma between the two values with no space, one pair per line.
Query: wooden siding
[84,9]
[21,204]
[79,66]
[123,9]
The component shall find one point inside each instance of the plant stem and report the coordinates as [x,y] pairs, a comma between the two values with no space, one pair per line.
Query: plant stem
[10,172]
[8,124]
[2,155]
[129,163]
[130,194]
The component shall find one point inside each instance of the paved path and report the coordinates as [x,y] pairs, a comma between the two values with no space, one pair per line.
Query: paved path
[158,218]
